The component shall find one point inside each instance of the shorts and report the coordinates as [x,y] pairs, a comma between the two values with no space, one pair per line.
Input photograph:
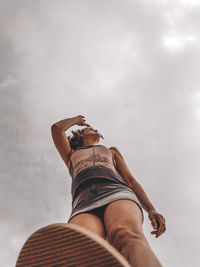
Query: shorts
[95,194]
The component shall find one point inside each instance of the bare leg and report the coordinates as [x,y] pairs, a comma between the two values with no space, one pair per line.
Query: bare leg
[123,223]
[91,222]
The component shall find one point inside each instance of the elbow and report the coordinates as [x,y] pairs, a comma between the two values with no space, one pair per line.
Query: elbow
[54,127]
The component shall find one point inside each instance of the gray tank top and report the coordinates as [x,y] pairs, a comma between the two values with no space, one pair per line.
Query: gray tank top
[94,161]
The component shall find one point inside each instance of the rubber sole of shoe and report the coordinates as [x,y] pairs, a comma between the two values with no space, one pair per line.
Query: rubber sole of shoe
[68,245]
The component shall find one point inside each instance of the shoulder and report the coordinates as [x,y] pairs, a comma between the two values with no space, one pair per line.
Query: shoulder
[115,151]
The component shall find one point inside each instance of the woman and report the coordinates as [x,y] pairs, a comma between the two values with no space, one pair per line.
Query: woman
[106,198]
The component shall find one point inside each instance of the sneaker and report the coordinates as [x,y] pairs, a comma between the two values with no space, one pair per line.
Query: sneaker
[68,245]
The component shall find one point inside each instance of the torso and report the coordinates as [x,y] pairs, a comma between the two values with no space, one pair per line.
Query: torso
[72,151]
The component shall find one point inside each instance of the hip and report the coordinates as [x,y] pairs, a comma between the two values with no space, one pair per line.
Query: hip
[96,190]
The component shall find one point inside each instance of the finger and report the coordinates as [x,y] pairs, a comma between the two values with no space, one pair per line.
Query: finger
[160,233]
[154,224]
[86,124]
[153,232]
[162,226]
[160,230]
[164,229]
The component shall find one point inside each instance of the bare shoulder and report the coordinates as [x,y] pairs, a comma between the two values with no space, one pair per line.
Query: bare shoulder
[115,151]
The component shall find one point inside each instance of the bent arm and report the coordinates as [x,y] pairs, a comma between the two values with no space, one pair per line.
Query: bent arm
[123,170]
[64,124]
[60,139]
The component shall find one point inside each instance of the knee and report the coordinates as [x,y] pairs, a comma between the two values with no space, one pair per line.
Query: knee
[120,236]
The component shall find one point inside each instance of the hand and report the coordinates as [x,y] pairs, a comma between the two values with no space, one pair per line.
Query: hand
[158,223]
[80,120]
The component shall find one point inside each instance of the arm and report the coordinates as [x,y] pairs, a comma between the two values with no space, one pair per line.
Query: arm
[123,170]
[59,137]
[158,221]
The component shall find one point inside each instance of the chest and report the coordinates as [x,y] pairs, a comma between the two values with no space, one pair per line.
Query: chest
[92,156]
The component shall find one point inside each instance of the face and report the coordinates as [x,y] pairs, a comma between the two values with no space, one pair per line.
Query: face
[91,132]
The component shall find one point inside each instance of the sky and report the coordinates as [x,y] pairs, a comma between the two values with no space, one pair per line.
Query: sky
[131,67]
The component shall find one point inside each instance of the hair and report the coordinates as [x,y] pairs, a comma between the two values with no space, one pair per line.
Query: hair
[76,140]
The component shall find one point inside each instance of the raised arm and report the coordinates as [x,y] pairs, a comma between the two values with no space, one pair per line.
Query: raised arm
[59,137]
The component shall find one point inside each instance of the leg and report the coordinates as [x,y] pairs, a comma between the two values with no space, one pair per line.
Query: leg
[123,223]
[90,221]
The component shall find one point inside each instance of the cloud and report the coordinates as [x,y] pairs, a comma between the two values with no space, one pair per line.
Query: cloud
[133,70]
[7,82]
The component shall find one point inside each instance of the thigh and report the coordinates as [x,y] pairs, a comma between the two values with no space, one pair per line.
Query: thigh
[90,221]
[123,214]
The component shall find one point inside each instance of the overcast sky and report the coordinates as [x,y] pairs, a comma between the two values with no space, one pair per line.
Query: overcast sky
[131,67]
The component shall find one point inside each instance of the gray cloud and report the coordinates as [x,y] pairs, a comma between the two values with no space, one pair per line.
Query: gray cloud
[132,69]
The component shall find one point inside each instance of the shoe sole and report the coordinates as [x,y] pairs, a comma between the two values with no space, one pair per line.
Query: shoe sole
[68,245]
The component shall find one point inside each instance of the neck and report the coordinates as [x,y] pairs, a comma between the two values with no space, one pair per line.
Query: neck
[90,143]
